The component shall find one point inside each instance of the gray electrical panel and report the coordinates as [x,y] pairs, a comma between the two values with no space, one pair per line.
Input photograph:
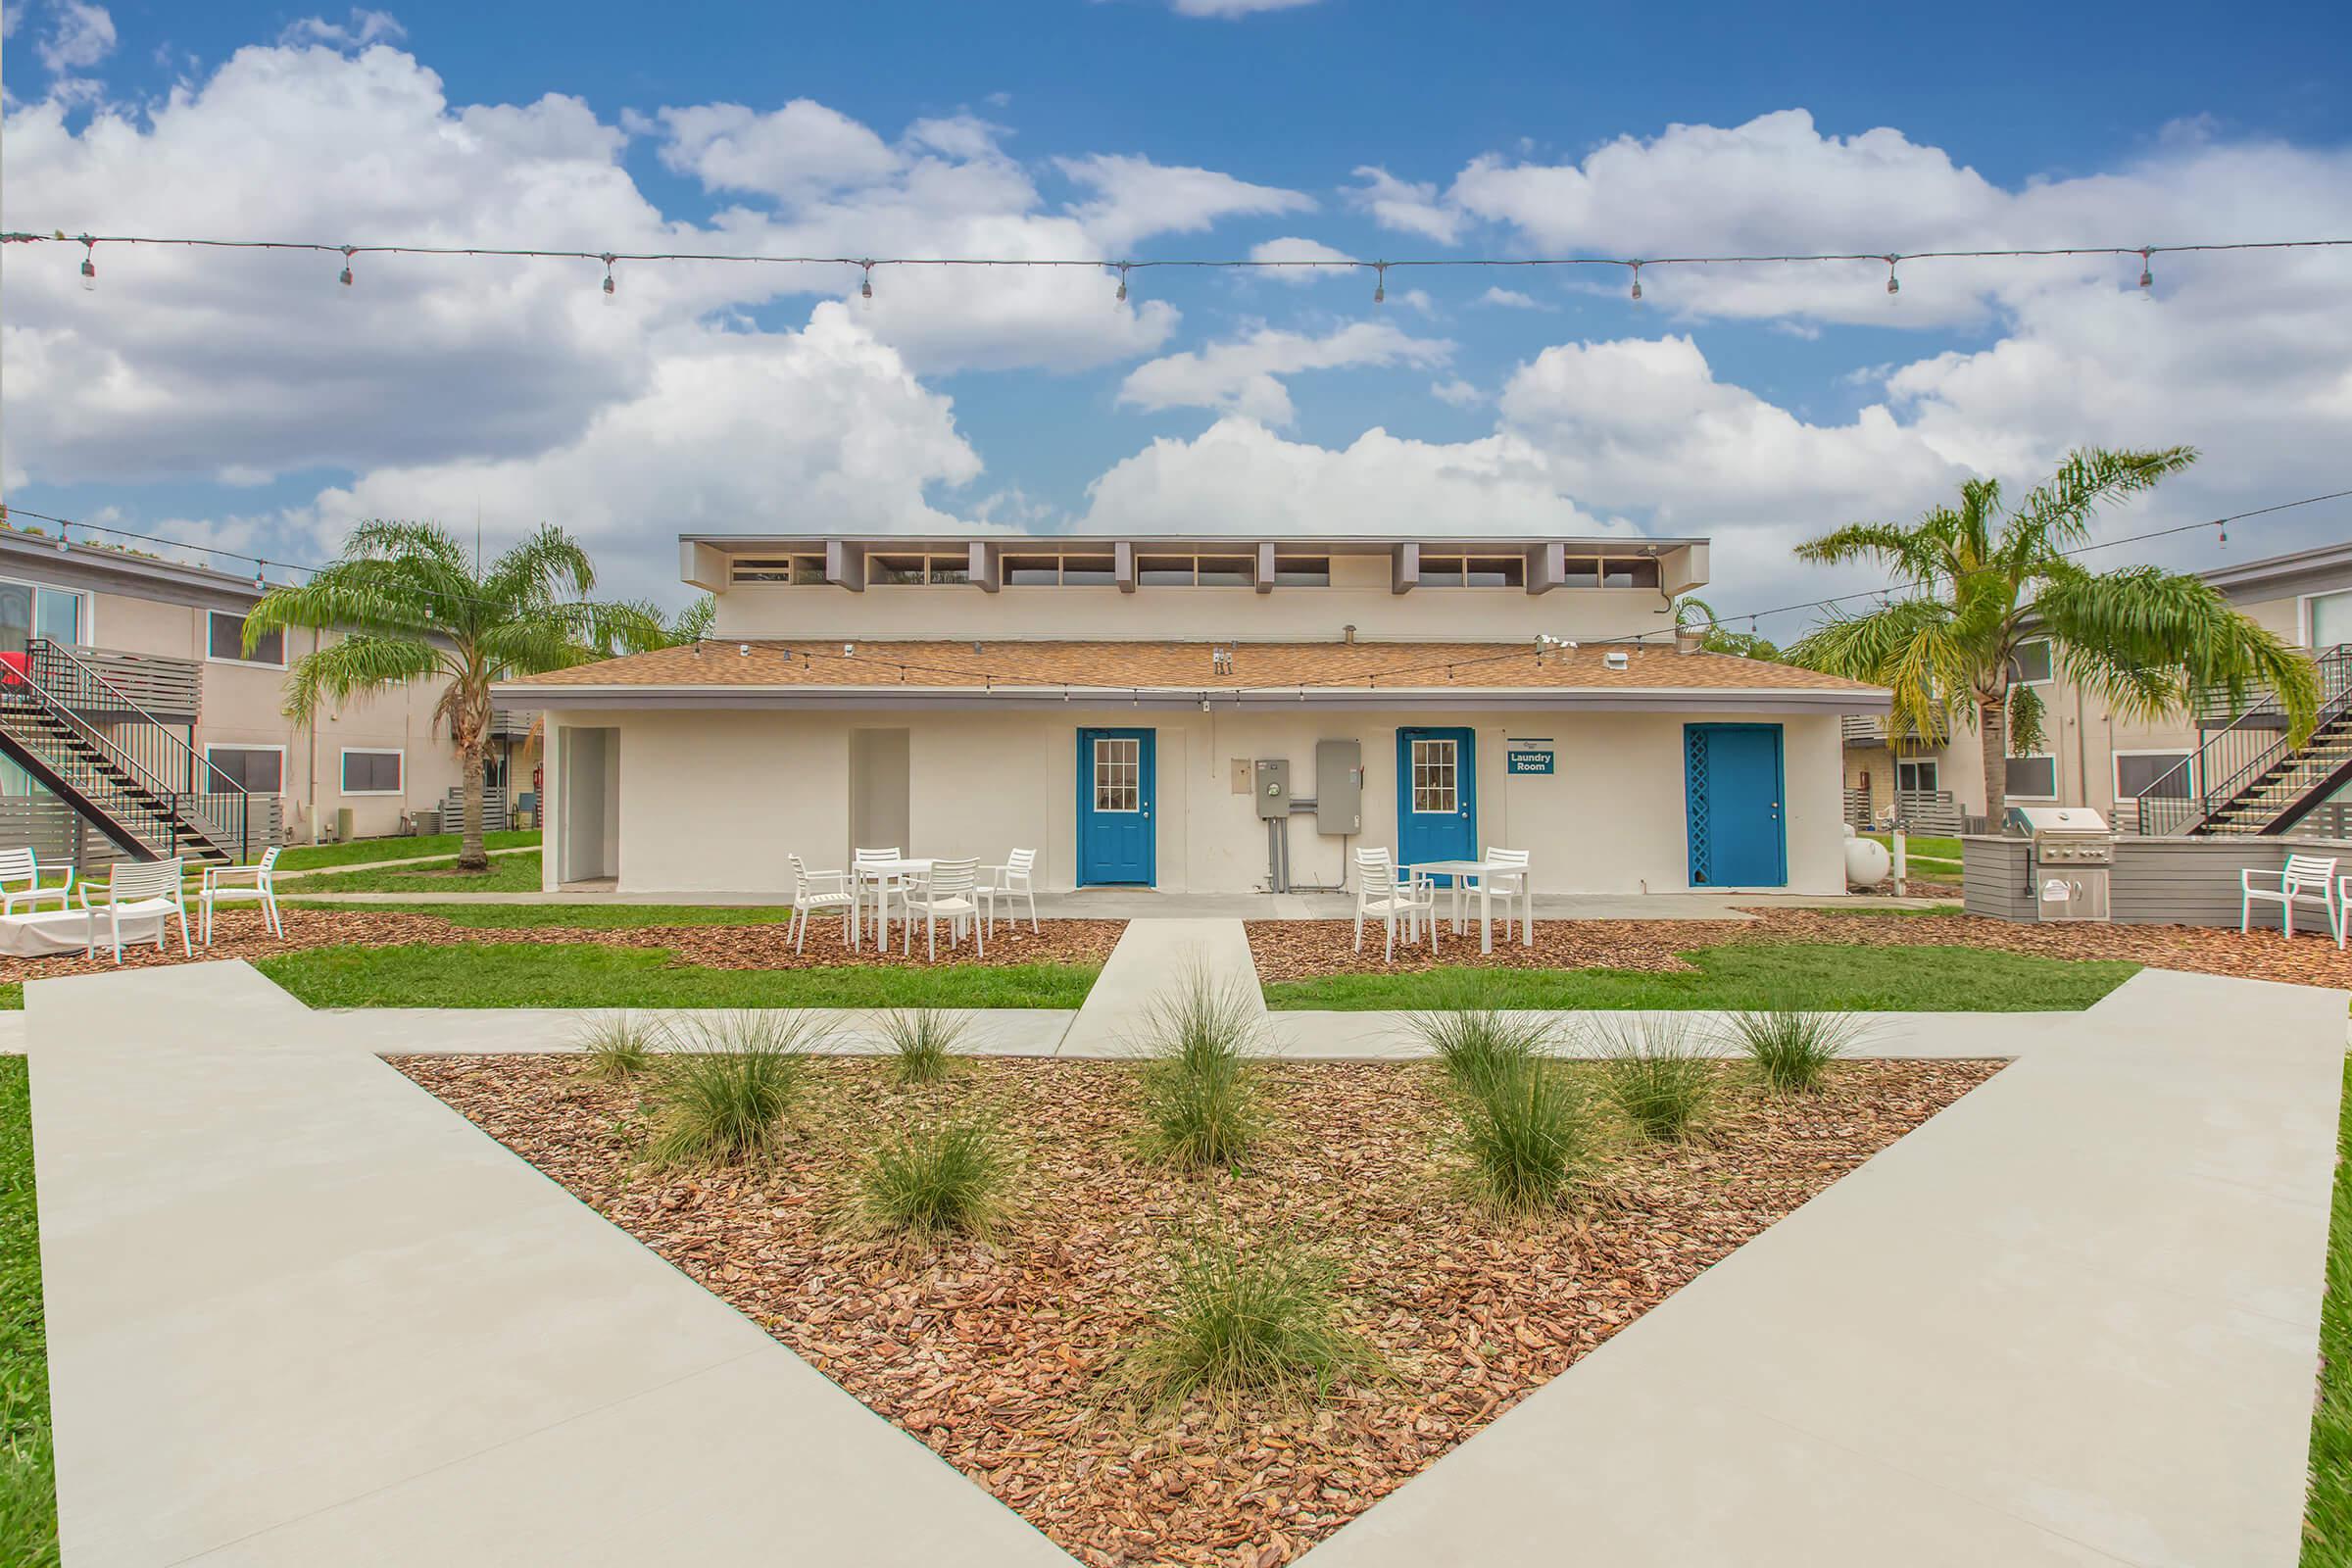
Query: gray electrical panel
[1273,787]
[1339,788]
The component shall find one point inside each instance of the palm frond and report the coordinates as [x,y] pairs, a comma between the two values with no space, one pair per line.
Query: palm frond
[2150,640]
[692,623]
[543,566]
[2058,511]
[354,666]
[1913,647]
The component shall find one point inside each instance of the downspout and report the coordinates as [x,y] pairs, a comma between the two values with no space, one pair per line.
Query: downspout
[313,730]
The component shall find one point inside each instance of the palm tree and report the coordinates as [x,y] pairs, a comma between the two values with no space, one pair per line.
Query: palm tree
[1691,611]
[411,605]
[1980,577]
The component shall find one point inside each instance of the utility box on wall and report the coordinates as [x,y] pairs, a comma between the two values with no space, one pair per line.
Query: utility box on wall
[1339,788]
[1273,787]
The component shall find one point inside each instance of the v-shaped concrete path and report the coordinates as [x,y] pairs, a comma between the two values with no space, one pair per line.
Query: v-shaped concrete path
[302,1313]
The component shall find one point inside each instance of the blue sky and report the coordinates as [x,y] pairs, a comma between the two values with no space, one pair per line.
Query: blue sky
[238,399]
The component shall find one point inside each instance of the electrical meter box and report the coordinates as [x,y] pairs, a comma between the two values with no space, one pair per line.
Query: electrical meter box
[1273,787]
[1339,787]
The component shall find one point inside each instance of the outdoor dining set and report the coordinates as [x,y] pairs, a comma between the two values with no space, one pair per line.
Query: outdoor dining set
[137,901]
[962,892]
[1389,893]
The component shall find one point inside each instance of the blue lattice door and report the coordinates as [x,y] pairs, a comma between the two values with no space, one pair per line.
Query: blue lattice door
[1734,779]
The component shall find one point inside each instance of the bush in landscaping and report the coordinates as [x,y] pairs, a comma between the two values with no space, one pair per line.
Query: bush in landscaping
[1791,1050]
[1478,1047]
[1529,1136]
[923,1040]
[1260,1318]
[1199,1090]
[1657,1074]
[935,1181]
[620,1047]
[723,1089]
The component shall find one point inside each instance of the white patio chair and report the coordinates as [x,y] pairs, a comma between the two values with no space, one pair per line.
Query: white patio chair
[2305,879]
[1378,891]
[1511,882]
[818,890]
[140,889]
[864,875]
[227,884]
[1017,876]
[948,890]
[21,882]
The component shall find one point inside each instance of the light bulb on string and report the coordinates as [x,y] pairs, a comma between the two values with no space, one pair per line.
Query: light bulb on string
[1893,286]
[609,285]
[1380,282]
[1122,281]
[90,265]
[1637,282]
[345,278]
[2147,279]
[866,290]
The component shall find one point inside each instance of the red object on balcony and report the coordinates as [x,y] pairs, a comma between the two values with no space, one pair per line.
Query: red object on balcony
[16,670]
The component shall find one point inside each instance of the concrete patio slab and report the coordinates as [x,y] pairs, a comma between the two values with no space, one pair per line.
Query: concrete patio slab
[286,1288]
[2072,1318]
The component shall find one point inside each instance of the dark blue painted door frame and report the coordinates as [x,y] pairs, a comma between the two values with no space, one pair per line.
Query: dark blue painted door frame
[1116,834]
[1450,835]
[1736,783]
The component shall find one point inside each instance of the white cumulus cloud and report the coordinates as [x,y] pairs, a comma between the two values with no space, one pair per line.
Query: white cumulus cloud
[1244,375]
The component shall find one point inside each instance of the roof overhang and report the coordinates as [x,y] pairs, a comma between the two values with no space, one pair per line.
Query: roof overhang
[895,698]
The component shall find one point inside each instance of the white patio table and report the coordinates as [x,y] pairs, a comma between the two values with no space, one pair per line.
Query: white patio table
[885,875]
[1476,872]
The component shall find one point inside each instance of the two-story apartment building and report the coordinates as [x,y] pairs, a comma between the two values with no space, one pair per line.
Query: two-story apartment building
[2095,757]
[149,655]
[1194,714]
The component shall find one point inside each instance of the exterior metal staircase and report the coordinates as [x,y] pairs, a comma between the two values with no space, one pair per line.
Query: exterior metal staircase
[129,775]
[2246,779]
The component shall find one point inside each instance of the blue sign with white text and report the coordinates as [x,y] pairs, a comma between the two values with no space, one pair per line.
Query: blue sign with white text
[1530,761]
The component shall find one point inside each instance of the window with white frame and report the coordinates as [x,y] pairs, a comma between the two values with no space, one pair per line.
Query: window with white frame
[2032,664]
[2163,774]
[1118,773]
[36,610]
[224,640]
[254,770]
[2032,778]
[368,770]
[2328,619]
[1917,775]
[1437,776]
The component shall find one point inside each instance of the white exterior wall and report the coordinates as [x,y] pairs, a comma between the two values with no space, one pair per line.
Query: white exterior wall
[715,800]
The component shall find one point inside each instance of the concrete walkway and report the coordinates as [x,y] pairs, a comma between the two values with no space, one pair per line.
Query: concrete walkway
[2071,1320]
[302,1313]
[1156,959]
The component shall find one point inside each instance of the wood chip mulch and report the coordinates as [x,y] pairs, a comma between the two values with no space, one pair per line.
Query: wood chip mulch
[1302,950]
[1003,1356]
[238,934]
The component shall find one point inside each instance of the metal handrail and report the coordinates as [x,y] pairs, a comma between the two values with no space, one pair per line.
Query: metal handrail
[49,666]
[2192,777]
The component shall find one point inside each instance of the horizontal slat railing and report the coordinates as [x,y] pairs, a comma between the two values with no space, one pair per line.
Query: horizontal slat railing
[162,687]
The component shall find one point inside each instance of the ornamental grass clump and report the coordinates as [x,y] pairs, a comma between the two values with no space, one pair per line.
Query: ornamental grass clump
[1529,1136]
[723,1088]
[1478,1047]
[620,1047]
[1791,1050]
[1261,1318]
[1199,1090]
[923,1042]
[935,1181]
[1659,1074]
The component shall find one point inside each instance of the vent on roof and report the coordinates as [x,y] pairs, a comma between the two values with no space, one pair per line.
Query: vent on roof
[1220,661]
[1616,658]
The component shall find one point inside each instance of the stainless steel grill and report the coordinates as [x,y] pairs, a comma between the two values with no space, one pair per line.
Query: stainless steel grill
[2069,858]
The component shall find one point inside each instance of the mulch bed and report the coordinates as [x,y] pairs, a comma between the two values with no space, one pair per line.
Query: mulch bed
[1003,1356]
[1302,950]
[238,934]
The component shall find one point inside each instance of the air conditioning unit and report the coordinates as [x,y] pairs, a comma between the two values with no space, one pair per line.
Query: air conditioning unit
[1616,658]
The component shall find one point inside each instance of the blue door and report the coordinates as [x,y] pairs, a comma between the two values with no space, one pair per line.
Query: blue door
[1437,795]
[1733,774]
[1114,807]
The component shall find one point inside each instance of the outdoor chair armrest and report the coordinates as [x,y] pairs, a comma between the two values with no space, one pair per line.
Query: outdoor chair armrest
[2246,880]
[839,880]
[214,875]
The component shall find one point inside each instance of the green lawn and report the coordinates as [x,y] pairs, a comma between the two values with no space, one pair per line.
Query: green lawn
[2327,1511]
[361,852]
[1924,854]
[28,1481]
[1829,977]
[530,974]
[508,873]
[578,916]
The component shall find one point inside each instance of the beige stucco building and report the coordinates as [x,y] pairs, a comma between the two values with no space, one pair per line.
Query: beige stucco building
[2093,755]
[1114,704]
[169,639]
